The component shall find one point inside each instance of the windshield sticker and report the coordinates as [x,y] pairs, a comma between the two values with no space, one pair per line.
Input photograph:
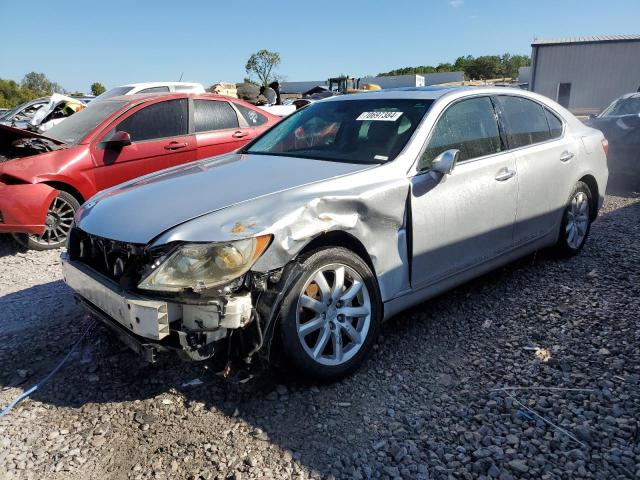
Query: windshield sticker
[381,157]
[380,116]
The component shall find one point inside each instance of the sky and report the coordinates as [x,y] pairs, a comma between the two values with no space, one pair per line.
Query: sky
[210,41]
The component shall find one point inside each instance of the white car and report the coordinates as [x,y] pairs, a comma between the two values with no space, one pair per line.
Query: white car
[151,87]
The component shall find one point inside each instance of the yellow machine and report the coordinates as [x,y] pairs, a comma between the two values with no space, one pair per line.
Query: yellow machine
[345,84]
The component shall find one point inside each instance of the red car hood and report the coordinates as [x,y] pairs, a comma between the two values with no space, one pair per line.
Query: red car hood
[10,134]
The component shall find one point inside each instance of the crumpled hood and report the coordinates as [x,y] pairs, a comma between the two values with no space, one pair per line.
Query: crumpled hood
[140,210]
[11,134]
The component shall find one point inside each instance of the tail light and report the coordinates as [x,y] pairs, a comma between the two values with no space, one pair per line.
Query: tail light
[605,146]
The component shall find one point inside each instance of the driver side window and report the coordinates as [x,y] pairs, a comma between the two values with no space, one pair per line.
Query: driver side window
[469,126]
[158,120]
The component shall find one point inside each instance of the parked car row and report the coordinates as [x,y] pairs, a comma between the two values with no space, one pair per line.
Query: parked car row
[44,179]
[296,246]
[620,124]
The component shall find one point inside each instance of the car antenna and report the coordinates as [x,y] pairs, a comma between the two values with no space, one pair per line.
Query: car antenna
[181,74]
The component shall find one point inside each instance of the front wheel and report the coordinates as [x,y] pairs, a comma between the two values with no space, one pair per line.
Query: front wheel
[57,224]
[576,221]
[331,315]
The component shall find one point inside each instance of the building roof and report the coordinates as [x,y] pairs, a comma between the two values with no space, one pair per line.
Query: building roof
[595,39]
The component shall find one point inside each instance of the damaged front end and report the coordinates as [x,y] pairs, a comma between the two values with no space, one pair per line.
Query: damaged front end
[16,143]
[161,299]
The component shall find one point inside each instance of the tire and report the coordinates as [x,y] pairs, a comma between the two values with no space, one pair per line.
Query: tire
[576,221]
[59,220]
[334,344]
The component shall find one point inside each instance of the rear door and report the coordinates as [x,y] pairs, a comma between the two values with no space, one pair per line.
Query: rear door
[546,163]
[159,139]
[217,128]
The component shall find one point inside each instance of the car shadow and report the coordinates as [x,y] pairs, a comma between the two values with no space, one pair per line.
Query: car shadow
[277,408]
[9,246]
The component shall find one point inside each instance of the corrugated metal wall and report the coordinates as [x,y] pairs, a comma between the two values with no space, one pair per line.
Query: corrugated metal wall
[598,72]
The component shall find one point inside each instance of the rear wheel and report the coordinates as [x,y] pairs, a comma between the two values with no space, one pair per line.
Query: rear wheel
[57,224]
[576,221]
[331,315]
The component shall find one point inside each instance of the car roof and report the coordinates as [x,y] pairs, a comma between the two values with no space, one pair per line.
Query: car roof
[160,84]
[142,97]
[630,95]
[429,93]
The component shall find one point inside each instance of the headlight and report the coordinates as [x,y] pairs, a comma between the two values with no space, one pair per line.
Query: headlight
[205,265]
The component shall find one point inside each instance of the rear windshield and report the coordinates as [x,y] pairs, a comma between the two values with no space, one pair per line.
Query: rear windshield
[623,106]
[80,124]
[354,131]
[114,92]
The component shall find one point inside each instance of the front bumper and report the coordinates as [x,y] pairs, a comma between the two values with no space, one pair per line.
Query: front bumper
[149,326]
[23,208]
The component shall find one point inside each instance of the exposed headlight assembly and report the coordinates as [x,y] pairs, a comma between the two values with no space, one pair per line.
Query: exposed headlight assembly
[200,266]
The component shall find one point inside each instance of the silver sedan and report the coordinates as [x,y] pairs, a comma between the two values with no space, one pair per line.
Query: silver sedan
[296,248]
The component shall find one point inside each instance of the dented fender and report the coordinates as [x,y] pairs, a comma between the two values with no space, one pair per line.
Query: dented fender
[367,206]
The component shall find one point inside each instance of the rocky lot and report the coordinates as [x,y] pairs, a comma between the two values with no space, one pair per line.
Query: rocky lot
[532,371]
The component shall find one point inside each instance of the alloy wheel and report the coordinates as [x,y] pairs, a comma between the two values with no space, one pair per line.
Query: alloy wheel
[577,220]
[333,315]
[57,224]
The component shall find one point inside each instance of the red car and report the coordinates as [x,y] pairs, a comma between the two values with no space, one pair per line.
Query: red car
[44,179]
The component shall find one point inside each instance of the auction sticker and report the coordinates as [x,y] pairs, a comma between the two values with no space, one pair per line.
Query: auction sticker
[380,116]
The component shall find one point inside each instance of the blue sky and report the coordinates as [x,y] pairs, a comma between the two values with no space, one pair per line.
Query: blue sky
[209,41]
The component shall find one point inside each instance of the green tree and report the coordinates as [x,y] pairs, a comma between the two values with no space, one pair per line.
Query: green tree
[97,88]
[11,94]
[38,83]
[262,64]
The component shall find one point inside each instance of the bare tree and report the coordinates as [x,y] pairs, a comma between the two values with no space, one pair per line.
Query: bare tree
[261,64]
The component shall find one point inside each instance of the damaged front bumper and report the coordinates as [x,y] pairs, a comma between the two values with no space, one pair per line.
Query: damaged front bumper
[150,326]
[23,208]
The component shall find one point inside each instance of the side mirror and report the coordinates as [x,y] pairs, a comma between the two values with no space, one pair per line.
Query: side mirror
[445,162]
[592,115]
[120,139]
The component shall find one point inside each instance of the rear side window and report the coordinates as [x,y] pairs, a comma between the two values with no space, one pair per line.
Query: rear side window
[555,124]
[213,115]
[154,90]
[469,126]
[525,121]
[158,120]
[253,118]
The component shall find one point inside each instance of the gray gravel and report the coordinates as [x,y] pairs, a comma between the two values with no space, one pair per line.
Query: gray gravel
[427,405]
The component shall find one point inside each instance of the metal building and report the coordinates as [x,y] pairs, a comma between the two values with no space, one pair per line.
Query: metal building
[412,80]
[585,74]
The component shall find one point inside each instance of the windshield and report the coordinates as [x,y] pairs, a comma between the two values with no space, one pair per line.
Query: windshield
[78,125]
[622,106]
[354,131]
[114,92]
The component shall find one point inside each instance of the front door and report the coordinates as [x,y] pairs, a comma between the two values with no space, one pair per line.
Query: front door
[159,139]
[465,218]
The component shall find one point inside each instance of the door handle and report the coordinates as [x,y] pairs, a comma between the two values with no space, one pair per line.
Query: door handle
[239,134]
[566,156]
[505,174]
[175,145]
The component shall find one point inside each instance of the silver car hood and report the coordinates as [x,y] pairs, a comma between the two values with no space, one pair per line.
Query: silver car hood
[140,210]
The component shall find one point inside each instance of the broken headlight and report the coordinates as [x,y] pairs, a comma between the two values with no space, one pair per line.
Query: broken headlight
[200,266]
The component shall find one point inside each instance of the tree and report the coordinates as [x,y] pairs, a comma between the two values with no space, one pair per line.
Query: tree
[261,64]
[38,83]
[488,66]
[97,88]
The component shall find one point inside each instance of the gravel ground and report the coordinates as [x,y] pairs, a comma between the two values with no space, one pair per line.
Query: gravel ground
[433,401]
